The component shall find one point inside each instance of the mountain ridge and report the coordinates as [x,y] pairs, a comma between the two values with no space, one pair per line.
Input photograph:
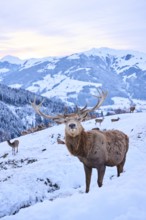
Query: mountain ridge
[75,77]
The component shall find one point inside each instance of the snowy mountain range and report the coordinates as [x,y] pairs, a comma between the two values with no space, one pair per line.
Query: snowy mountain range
[75,77]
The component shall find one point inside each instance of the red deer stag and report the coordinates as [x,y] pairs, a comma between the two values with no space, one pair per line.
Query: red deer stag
[95,149]
[14,146]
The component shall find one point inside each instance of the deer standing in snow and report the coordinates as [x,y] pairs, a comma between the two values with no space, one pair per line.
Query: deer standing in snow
[95,149]
[14,146]
[99,120]
[132,108]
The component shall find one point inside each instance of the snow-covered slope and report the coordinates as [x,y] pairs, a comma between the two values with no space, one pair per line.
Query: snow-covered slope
[11,59]
[73,78]
[45,180]
[124,58]
[17,114]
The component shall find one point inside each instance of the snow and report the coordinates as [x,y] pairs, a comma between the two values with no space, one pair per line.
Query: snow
[138,59]
[69,85]
[50,66]
[16,86]
[73,57]
[11,59]
[36,61]
[130,76]
[124,103]
[45,179]
[4,70]
[31,62]
[58,85]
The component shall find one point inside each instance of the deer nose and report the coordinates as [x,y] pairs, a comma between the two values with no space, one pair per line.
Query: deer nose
[72,126]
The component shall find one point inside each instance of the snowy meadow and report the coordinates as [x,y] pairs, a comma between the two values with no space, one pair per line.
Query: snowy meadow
[44,182]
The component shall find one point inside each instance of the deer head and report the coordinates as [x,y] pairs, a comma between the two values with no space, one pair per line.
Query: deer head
[72,120]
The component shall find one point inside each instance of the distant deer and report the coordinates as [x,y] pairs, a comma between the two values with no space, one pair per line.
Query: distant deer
[14,146]
[132,108]
[40,127]
[24,132]
[32,130]
[99,120]
[115,119]
[59,141]
[95,149]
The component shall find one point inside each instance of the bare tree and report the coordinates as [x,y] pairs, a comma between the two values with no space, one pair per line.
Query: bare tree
[95,149]
[14,146]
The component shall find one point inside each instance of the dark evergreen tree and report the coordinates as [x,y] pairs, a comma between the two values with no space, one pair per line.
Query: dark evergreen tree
[17,114]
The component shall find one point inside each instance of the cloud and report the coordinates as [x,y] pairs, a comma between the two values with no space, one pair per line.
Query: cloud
[72,25]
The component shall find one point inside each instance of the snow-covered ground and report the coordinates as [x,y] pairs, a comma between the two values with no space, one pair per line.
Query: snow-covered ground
[44,182]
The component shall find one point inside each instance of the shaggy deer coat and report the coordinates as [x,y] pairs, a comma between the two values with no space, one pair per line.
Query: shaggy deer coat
[97,149]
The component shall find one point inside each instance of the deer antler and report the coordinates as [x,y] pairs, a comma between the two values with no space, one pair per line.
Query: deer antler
[101,97]
[38,111]
[80,112]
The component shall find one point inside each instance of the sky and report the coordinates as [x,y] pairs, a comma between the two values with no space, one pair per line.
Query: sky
[42,28]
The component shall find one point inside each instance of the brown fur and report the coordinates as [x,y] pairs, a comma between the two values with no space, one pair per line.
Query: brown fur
[132,108]
[32,130]
[96,149]
[24,132]
[115,119]
[99,120]
[14,146]
[97,129]
[59,141]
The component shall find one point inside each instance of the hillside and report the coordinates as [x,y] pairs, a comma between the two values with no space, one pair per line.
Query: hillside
[75,77]
[44,182]
[17,114]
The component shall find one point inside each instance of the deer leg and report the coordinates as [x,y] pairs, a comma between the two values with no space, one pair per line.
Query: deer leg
[120,167]
[101,172]
[88,172]
[13,152]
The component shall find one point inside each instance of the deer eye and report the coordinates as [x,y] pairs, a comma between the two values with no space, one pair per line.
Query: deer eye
[65,120]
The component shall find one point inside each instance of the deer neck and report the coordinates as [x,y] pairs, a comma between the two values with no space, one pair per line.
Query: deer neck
[77,145]
[10,144]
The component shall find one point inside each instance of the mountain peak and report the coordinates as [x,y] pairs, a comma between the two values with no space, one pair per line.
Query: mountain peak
[11,59]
